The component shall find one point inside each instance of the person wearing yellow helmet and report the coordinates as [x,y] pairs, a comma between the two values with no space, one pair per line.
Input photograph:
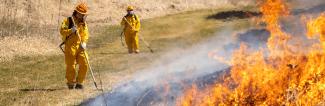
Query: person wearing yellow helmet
[131,23]
[75,46]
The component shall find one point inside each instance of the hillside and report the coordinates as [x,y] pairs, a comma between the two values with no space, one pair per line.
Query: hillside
[29,27]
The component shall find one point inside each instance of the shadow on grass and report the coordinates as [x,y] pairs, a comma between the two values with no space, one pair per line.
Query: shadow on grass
[240,14]
[41,89]
[234,14]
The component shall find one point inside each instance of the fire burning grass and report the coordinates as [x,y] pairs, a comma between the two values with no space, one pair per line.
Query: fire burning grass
[284,76]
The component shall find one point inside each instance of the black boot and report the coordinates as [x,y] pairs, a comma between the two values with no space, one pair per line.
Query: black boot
[70,86]
[79,86]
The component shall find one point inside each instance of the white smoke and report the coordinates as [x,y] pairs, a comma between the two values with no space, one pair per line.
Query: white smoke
[182,65]
[174,67]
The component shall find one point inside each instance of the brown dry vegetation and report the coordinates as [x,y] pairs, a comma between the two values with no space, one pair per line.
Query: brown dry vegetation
[32,65]
[29,27]
[39,80]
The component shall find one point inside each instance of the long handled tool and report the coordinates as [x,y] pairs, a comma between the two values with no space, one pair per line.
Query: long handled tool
[146,43]
[121,38]
[91,70]
[60,46]
[92,74]
[141,37]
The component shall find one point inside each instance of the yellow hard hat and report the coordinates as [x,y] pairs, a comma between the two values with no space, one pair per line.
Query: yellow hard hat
[129,8]
[82,8]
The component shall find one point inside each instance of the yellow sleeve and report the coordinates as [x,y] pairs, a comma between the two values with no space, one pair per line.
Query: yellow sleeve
[85,34]
[64,29]
[138,24]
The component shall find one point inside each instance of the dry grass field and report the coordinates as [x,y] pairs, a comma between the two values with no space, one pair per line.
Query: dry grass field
[39,79]
[30,27]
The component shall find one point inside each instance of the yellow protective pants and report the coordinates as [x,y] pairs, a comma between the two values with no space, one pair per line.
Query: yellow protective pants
[132,41]
[72,58]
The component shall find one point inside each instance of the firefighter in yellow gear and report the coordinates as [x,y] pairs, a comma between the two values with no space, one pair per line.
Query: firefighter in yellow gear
[131,23]
[75,46]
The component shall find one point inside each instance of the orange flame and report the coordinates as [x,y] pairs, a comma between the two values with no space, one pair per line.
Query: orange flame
[272,11]
[283,78]
[317,26]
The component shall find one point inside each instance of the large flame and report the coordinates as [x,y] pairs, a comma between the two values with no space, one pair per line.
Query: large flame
[317,26]
[273,10]
[281,78]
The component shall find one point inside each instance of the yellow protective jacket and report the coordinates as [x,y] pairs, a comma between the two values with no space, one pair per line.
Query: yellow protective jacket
[73,39]
[134,21]
[73,52]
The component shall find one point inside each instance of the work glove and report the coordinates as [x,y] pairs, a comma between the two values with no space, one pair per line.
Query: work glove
[83,46]
[73,29]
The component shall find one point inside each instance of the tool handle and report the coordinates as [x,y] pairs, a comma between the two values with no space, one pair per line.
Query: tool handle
[146,43]
[91,70]
[121,38]
[60,46]
[128,23]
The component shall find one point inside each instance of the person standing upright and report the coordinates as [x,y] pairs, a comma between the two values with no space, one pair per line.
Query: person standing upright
[75,46]
[131,23]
